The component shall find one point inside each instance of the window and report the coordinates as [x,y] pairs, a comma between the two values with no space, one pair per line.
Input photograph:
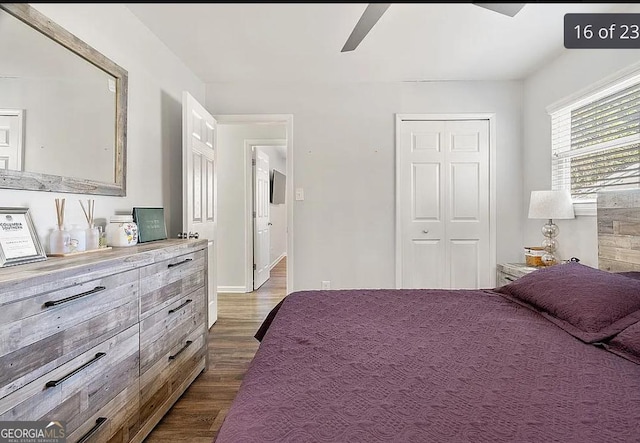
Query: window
[595,141]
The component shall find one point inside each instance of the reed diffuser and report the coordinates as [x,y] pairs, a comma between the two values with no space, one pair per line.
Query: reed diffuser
[59,238]
[92,232]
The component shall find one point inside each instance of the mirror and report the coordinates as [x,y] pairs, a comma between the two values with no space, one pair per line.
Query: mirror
[63,109]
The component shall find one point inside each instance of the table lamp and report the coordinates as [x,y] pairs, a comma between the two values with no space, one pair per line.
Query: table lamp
[549,205]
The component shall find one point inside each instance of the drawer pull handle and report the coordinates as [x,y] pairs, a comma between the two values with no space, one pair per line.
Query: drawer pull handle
[99,422]
[53,383]
[171,311]
[509,279]
[174,356]
[180,262]
[73,297]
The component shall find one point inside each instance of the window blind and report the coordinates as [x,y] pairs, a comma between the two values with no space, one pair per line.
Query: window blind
[596,146]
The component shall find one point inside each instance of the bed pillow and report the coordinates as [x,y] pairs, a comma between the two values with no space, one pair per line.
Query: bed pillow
[627,343]
[588,303]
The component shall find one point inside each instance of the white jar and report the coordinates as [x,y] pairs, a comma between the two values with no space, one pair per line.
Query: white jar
[122,231]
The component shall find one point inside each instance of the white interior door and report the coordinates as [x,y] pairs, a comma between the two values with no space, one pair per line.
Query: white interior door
[444,204]
[199,185]
[261,223]
[11,142]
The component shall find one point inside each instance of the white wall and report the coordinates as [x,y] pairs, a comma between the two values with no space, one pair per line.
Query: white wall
[232,222]
[570,72]
[277,213]
[344,230]
[154,130]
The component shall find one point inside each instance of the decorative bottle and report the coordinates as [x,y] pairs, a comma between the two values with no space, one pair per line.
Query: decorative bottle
[93,238]
[78,241]
[59,241]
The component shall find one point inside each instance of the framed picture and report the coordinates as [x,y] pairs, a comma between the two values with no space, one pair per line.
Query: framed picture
[19,242]
[150,223]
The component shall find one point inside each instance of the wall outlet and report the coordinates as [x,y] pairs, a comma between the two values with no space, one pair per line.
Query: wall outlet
[326,284]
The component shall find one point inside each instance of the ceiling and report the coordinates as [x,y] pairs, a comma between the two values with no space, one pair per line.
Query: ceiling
[301,42]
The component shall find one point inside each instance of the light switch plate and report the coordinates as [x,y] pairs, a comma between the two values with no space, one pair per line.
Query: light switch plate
[299,194]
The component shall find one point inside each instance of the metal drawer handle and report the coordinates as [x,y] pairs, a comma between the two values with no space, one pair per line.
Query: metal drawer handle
[53,383]
[179,263]
[99,422]
[171,311]
[174,356]
[509,279]
[73,297]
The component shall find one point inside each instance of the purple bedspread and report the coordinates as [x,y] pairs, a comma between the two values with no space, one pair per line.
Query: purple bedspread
[428,366]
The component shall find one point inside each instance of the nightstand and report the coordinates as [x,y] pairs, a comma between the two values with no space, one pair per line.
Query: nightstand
[508,272]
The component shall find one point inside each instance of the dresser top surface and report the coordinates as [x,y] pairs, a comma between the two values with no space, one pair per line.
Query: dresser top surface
[117,258]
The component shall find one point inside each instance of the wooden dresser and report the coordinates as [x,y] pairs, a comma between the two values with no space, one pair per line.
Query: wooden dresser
[105,341]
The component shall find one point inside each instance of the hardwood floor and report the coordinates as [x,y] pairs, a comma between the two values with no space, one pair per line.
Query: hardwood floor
[197,416]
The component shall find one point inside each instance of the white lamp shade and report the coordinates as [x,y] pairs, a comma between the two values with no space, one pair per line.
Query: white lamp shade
[551,204]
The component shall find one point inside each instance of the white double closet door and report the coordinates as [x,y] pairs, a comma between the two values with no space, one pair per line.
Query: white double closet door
[444,204]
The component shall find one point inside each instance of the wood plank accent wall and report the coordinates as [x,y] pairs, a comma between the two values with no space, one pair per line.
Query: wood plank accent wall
[619,230]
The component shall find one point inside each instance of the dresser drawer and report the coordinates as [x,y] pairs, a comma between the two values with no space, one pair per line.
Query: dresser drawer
[161,284]
[168,328]
[78,389]
[117,422]
[42,332]
[170,375]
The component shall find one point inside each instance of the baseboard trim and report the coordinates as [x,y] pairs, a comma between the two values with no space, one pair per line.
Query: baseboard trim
[233,289]
[277,260]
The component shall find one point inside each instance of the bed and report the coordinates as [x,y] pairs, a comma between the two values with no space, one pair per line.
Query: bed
[553,356]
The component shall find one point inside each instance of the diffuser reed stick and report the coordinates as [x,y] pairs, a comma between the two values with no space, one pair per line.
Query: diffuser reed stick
[88,213]
[60,212]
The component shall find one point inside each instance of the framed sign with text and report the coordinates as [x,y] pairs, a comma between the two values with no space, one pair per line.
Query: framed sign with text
[19,242]
[150,223]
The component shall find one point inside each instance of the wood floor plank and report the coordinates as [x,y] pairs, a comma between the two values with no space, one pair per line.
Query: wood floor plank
[198,415]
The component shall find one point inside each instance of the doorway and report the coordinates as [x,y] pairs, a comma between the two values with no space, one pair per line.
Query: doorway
[239,136]
[445,201]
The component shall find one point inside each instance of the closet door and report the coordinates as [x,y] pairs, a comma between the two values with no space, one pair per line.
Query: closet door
[444,197]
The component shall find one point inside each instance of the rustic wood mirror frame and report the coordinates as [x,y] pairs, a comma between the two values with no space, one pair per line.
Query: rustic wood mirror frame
[53,183]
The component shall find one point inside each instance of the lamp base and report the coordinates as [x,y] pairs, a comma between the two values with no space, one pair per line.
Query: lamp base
[550,230]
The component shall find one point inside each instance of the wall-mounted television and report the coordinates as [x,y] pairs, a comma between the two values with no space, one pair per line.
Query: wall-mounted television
[278,188]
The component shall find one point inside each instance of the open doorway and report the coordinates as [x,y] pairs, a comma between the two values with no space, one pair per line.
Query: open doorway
[269,162]
[245,239]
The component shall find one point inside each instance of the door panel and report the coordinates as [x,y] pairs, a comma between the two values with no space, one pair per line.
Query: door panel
[444,204]
[426,190]
[199,185]
[464,254]
[465,189]
[426,271]
[425,141]
[261,239]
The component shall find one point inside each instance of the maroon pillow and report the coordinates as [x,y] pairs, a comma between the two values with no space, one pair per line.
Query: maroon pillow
[588,303]
[627,343]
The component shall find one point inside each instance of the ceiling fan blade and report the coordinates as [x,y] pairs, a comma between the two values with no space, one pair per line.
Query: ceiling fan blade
[370,16]
[509,9]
